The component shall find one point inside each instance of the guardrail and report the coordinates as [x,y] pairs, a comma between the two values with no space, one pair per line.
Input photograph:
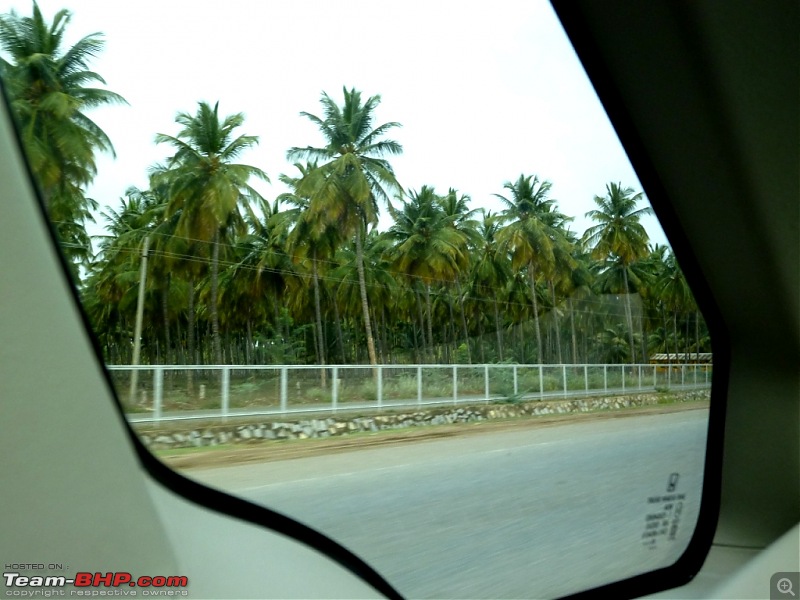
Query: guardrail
[177,392]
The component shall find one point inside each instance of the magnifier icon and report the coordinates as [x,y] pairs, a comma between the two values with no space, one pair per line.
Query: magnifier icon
[784,586]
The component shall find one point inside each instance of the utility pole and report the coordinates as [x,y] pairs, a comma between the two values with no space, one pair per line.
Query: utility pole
[137,334]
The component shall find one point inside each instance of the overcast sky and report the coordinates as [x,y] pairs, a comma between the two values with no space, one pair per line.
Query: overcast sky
[484,91]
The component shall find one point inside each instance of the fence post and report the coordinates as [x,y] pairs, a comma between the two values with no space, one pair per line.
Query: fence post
[335,389]
[419,385]
[622,368]
[640,376]
[586,377]
[486,380]
[669,375]
[516,383]
[455,384]
[541,383]
[655,377]
[226,380]
[284,388]
[605,378]
[158,390]
[564,377]
[380,386]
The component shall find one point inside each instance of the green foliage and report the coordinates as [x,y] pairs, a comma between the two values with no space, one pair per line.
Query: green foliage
[308,278]
[51,87]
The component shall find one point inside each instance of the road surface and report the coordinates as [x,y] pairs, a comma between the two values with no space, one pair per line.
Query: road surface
[519,514]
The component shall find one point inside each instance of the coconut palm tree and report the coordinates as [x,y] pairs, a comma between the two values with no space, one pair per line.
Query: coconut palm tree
[673,290]
[578,282]
[114,275]
[378,278]
[491,271]
[50,87]
[428,248]
[461,218]
[315,238]
[352,175]
[207,187]
[619,236]
[530,235]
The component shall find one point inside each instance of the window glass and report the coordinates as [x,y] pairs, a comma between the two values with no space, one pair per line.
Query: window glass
[385,269]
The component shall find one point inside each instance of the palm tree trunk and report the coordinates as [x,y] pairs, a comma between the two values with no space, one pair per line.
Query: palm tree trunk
[463,320]
[248,344]
[675,332]
[532,275]
[382,337]
[426,346]
[180,355]
[430,316]
[215,338]
[574,338]
[362,284]
[191,359]
[628,313]
[278,332]
[498,330]
[315,336]
[339,334]
[165,317]
[451,332]
[318,315]
[686,342]
[481,341]
[697,336]
[556,324]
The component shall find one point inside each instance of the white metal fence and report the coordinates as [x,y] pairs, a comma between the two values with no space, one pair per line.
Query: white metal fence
[176,392]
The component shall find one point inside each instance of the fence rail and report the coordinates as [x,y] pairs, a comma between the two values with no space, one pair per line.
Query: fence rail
[178,392]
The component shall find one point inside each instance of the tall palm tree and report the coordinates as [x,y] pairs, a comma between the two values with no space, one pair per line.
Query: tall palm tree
[352,175]
[674,292]
[50,88]
[428,248]
[114,275]
[315,238]
[578,281]
[376,268]
[270,250]
[619,236]
[491,271]
[461,218]
[207,187]
[531,235]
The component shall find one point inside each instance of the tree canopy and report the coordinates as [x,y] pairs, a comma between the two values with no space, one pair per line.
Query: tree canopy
[307,277]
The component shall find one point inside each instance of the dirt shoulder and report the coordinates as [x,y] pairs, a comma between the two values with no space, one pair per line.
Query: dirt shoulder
[276,450]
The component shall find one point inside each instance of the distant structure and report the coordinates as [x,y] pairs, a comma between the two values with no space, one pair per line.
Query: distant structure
[681,358]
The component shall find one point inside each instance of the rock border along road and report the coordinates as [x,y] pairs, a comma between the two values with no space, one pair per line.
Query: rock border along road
[392,429]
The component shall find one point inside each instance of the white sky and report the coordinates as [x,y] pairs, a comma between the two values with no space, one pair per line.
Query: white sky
[484,91]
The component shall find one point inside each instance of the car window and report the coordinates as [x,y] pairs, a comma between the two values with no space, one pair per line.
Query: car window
[388,272]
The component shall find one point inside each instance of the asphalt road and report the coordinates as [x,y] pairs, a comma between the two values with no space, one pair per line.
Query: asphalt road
[518,514]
